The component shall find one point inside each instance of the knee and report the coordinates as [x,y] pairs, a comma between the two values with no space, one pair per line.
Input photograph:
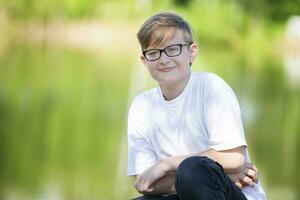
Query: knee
[199,164]
[199,176]
[197,169]
[188,165]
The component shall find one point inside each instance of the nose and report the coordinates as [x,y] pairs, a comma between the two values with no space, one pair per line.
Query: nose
[164,59]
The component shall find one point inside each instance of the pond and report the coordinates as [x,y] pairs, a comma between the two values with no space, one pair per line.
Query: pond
[63,118]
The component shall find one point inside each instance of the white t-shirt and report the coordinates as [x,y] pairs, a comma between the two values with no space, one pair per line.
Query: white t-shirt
[206,115]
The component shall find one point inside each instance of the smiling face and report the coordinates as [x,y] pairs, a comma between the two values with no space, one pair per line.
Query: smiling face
[170,71]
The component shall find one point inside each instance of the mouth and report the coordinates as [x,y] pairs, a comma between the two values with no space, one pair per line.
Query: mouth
[166,69]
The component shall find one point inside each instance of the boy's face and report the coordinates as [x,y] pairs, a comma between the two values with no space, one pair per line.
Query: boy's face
[168,70]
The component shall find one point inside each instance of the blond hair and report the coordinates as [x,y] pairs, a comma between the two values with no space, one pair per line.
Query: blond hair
[162,26]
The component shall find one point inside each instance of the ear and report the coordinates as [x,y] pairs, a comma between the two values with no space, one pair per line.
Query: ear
[143,59]
[193,52]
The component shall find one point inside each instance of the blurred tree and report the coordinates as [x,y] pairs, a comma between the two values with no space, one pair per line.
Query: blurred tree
[271,9]
[182,3]
[49,8]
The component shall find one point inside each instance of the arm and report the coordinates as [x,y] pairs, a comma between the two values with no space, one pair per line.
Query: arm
[232,160]
[159,180]
[165,185]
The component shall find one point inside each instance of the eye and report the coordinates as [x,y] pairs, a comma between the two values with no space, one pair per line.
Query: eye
[152,53]
[173,48]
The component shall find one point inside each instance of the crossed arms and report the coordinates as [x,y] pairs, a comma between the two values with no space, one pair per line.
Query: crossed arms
[160,178]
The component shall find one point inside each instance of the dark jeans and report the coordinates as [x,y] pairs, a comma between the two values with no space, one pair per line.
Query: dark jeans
[200,178]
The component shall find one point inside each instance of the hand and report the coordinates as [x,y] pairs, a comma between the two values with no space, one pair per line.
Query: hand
[251,171]
[246,177]
[144,181]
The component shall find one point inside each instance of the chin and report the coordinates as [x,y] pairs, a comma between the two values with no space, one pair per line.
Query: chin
[170,80]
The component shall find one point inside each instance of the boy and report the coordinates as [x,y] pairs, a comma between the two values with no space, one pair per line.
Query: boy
[185,138]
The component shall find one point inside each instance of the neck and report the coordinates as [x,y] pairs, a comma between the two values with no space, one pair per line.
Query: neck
[172,91]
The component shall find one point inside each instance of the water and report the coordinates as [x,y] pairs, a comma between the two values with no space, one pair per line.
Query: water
[63,118]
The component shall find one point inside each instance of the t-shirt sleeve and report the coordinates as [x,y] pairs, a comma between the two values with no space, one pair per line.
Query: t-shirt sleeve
[223,120]
[140,152]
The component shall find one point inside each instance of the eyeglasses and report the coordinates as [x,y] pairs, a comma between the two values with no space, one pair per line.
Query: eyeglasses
[171,51]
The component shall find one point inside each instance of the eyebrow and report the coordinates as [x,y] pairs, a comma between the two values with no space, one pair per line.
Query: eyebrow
[165,46]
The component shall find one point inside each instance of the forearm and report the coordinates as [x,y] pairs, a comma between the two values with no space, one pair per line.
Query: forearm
[160,178]
[165,185]
[231,160]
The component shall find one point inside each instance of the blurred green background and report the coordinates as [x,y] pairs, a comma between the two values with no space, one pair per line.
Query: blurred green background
[69,70]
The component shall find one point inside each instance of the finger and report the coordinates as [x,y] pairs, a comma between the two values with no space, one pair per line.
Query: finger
[140,186]
[144,189]
[250,172]
[257,173]
[150,189]
[256,177]
[239,184]
[247,181]
[137,182]
[136,186]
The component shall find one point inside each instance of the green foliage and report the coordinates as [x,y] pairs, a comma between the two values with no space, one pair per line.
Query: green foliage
[50,8]
[273,10]
[268,10]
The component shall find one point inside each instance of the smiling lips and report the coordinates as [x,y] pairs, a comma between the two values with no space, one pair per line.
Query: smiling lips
[166,69]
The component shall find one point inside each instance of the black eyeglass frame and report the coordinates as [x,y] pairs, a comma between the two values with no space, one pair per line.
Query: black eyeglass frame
[163,50]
